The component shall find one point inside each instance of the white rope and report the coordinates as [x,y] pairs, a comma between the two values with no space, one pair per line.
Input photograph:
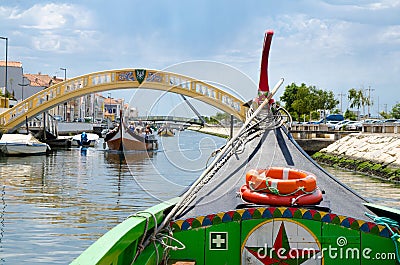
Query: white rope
[222,156]
[140,245]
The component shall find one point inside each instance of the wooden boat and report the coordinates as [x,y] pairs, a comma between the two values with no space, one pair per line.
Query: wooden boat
[124,138]
[165,131]
[22,144]
[212,224]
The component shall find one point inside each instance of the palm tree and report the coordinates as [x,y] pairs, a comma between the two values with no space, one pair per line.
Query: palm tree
[356,98]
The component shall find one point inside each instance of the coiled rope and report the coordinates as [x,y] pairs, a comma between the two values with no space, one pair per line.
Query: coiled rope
[389,223]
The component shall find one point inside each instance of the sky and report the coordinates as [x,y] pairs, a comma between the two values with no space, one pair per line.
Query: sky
[333,45]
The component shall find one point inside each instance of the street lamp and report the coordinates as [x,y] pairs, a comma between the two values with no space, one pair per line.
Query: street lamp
[65,104]
[5,80]
[65,73]
[109,111]
[22,87]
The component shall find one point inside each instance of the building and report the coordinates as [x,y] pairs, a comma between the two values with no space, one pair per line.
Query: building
[89,108]
[14,78]
[36,82]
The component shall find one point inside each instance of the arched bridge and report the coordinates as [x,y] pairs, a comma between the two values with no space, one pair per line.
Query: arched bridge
[120,79]
[173,119]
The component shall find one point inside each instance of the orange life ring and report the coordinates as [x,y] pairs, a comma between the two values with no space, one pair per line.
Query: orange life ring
[277,200]
[279,180]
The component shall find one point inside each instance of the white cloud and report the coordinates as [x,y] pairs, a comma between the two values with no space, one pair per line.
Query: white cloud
[51,27]
[391,35]
[381,5]
[52,16]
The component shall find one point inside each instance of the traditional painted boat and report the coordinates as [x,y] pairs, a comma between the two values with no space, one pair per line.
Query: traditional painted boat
[165,131]
[211,223]
[85,139]
[22,144]
[124,138]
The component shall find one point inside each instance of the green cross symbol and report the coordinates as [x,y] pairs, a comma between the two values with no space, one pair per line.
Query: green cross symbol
[218,240]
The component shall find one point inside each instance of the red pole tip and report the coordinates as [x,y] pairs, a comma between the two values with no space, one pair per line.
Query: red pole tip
[270,32]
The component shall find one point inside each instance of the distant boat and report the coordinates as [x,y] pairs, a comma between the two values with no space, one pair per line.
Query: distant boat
[61,141]
[165,131]
[123,138]
[91,139]
[22,144]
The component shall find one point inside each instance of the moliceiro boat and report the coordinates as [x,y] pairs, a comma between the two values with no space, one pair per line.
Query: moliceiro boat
[129,138]
[165,130]
[262,200]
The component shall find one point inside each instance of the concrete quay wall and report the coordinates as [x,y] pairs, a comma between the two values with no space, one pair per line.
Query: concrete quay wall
[378,148]
[376,155]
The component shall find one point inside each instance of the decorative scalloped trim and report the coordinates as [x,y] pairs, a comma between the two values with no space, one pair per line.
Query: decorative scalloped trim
[280,212]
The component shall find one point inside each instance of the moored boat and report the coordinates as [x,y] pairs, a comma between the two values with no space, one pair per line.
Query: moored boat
[212,223]
[124,138]
[22,144]
[85,139]
[165,130]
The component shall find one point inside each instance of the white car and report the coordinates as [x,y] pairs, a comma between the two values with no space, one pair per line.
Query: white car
[354,125]
[370,121]
[331,124]
[340,124]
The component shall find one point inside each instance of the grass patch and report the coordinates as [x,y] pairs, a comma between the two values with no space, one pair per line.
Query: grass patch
[368,167]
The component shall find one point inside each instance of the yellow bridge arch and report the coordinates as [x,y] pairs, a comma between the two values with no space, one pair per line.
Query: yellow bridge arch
[120,79]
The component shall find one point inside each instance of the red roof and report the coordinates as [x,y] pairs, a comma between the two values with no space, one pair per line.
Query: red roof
[42,80]
[11,64]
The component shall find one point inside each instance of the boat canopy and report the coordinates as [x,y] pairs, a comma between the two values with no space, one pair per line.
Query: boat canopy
[18,138]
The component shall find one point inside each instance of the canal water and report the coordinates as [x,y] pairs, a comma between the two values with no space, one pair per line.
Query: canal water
[53,207]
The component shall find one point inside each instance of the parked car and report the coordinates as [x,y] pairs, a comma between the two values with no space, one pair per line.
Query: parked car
[354,125]
[340,124]
[331,124]
[334,117]
[370,121]
[389,121]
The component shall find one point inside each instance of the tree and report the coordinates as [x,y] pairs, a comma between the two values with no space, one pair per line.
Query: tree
[356,98]
[325,100]
[301,100]
[396,111]
[385,115]
[349,115]
[289,96]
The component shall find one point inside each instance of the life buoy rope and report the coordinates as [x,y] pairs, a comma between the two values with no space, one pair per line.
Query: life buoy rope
[280,186]
[281,181]
[248,195]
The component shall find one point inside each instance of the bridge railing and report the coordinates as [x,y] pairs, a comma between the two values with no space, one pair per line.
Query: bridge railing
[120,79]
[167,118]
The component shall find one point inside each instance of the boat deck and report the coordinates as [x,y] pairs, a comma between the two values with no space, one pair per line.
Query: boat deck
[274,148]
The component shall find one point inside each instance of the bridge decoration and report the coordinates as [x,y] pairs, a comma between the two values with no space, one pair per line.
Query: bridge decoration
[120,79]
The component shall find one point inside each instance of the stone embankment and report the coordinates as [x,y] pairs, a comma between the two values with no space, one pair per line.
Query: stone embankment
[219,131]
[376,154]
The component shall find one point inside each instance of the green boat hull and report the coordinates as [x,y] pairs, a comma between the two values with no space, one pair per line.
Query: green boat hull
[119,245]
[272,235]
[282,236]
